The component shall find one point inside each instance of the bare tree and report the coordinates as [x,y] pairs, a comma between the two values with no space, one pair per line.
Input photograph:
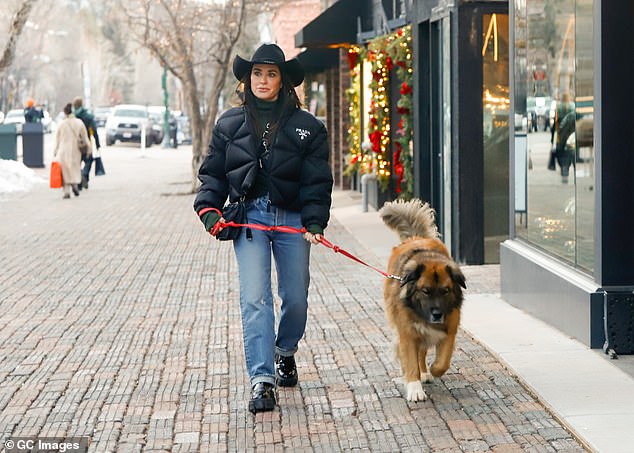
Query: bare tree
[195,41]
[15,30]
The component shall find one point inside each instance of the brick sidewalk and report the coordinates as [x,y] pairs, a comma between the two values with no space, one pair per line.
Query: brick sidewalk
[119,321]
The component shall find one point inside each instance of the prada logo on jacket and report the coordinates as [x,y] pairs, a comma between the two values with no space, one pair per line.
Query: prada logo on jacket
[303,133]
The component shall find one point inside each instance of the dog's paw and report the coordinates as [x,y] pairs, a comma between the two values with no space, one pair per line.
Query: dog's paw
[438,370]
[415,391]
[426,378]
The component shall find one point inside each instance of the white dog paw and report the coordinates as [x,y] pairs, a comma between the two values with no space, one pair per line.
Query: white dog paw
[415,391]
[426,378]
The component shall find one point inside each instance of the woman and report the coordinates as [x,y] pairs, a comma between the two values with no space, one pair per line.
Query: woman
[70,137]
[274,156]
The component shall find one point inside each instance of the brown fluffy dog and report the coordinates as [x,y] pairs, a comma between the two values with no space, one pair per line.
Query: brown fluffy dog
[424,307]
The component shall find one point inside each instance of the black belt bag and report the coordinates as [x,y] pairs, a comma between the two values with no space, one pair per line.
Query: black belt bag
[233,212]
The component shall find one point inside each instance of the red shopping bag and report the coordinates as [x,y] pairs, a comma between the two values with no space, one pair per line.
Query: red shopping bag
[55,181]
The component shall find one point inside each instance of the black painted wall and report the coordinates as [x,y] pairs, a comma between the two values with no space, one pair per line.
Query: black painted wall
[615,117]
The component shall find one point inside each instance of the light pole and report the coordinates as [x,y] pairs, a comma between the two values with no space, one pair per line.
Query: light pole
[166,113]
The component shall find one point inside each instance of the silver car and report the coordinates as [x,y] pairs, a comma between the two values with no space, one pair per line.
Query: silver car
[128,123]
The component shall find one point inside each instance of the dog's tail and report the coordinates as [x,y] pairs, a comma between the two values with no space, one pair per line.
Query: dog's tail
[410,218]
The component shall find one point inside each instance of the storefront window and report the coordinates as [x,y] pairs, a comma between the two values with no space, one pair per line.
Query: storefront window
[315,91]
[495,131]
[553,127]
[584,176]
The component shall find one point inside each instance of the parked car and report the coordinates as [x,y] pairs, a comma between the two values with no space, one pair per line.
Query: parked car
[157,113]
[127,123]
[101,115]
[15,116]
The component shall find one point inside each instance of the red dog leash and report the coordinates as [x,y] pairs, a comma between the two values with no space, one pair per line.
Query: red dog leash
[288,229]
[338,249]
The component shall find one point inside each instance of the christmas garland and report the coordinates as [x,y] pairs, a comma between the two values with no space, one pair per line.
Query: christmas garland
[384,53]
[379,109]
[358,160]
[400,51]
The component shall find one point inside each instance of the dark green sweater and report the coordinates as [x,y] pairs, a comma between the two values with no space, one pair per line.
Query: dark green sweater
[263,115]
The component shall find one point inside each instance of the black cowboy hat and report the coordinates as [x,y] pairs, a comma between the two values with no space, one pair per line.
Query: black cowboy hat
[269,54]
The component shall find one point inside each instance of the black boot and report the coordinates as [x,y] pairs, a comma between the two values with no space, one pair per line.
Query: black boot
[551,160]
[285,371]
[262,397]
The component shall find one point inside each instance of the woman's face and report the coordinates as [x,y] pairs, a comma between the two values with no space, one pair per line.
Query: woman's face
[266,80]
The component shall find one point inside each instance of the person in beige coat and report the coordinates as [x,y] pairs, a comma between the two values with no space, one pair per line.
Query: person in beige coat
[70,138]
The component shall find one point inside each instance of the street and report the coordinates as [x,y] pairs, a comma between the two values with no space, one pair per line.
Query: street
[120,324]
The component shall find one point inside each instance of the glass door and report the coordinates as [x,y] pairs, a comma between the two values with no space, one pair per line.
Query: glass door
[446,129]
[440,132]
[495,132]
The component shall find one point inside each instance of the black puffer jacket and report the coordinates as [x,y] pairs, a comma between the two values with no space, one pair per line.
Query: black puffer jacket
[299,177]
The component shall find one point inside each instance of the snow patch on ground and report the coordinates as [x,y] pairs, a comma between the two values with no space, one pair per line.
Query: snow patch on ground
[16,177]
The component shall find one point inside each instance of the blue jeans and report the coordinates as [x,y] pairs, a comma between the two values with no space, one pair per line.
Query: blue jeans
[85,171]
[292,256]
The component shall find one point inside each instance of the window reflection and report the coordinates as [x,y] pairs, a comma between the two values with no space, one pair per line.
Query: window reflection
[495,131]
[315,92]
[584,155]
[553,110]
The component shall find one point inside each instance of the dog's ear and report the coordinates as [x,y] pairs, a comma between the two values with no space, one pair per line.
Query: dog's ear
[456,275]
[413,275]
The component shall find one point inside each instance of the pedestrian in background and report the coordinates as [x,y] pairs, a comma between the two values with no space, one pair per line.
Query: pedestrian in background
[70,137]
[274,156]
[31,113]
[173,131]
[91,128]
[563,126]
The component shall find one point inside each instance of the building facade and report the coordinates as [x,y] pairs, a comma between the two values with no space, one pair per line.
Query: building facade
[458,117]
[461,131]
[523,142]
[570,260]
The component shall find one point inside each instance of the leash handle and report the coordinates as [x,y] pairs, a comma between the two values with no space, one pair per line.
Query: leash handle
[216,228]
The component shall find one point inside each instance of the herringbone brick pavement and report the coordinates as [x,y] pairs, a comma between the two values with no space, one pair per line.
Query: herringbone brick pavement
[119,322]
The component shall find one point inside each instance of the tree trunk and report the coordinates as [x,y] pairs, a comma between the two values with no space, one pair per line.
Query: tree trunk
[197,125]
[176,53]
[207,123]
[199,148]
[15,30]
[201,134]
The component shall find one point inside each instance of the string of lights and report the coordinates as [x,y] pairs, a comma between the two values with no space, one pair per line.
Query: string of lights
[386,55]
